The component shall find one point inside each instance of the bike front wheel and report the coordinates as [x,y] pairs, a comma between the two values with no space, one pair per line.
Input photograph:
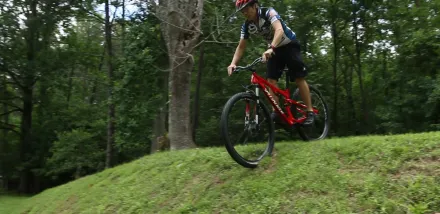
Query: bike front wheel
[247,129]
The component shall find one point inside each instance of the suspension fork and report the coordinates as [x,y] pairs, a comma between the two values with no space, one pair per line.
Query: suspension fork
[256,109]
[257,91]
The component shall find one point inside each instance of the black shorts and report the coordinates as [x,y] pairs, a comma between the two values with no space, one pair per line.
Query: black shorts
[288,55]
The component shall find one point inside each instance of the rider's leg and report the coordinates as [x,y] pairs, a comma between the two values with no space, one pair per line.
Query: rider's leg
[305,96]
[275,97]
[304,92]
[274,72]
[298,71]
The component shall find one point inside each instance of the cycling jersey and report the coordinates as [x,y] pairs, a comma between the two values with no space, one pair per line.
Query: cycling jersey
[266,16]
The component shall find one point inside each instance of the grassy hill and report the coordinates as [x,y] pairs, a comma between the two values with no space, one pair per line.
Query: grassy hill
[9,203]
[375,174]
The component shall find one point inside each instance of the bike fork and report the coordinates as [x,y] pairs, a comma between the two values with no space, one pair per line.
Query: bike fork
[257,90]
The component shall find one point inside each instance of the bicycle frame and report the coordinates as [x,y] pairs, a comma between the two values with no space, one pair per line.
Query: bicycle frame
[288,118]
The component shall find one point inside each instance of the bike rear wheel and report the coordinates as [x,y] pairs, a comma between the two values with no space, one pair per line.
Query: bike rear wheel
[320,128]
[245,115]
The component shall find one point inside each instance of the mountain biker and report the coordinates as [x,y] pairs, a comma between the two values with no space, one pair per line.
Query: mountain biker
[283,50]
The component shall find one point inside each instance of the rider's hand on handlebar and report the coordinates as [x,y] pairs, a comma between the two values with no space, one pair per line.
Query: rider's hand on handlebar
[231,69]
[267,54]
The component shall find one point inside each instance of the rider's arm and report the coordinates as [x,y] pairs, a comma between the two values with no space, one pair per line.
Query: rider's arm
[239,51]
[278,34]
[274,18]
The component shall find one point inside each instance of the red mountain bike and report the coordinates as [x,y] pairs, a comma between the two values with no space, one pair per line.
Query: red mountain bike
[246,112]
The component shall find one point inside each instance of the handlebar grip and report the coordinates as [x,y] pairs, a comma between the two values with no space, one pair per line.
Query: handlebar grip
[236,70]
[248,67]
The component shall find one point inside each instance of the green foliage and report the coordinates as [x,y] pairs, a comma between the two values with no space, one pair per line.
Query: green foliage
[75,150]
[142,89]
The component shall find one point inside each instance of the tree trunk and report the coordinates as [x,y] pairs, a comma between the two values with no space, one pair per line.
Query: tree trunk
[160,122]
[4,144]
[95,82]
[181,36]
[78,172]
[348,79]
[69,89]
[417,3]
[26,140]
[384,73]
[111,106]
[359,70]
[197,95]
[159,129]
[180,132]
[27,90]
[123,28]
[334,66]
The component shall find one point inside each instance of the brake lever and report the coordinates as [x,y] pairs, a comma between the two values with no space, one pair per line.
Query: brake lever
[235,71]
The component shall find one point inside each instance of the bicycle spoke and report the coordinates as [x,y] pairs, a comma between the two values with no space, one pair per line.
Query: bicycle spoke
[320,127]
[241,136]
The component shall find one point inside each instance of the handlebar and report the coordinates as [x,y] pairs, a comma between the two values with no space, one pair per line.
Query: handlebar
[248,67]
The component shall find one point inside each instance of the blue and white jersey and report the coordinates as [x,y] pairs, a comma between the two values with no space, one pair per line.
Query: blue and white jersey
[266,16]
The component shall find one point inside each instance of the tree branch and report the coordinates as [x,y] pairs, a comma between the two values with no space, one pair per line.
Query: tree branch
[350,54]
[25,10]
[181,28]
[9,104]
[9,128]
[13,76]
[342,31]
[94,15]
[203,40]
[219,42]
[8,125]
[11,111]
[11,98]
[172,68]
[114,15]
[10,83]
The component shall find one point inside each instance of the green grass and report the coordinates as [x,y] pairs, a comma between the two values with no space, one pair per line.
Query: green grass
[8,203]
[375,174]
